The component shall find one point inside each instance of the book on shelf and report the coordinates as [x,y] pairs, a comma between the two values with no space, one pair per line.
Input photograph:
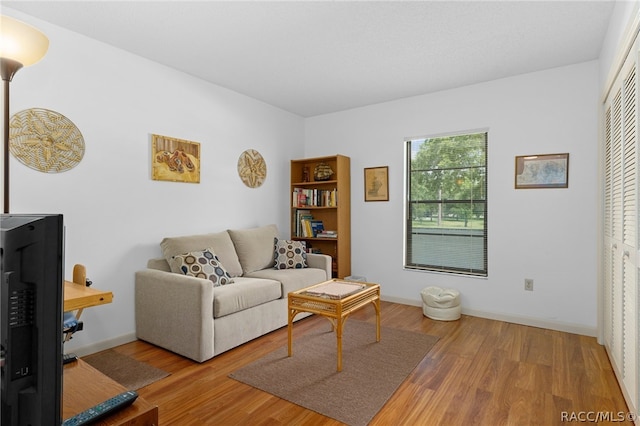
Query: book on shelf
[306,197]
[327,234]
[316,227]
[301,216]
[307,231]
[299,198]
[308,227]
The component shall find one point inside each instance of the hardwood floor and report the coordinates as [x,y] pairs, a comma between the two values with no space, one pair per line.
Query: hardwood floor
[481,372]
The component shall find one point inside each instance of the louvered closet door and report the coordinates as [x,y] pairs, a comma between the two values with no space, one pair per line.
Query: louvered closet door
[610,245]
[630,231]
[614,243]
[621,227]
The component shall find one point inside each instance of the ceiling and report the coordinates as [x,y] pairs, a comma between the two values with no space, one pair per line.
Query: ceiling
[318,57]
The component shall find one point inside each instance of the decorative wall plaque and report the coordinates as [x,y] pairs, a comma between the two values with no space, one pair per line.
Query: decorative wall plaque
[252,168]
[45,140]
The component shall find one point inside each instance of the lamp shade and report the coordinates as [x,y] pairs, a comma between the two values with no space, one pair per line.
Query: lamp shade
[21,42]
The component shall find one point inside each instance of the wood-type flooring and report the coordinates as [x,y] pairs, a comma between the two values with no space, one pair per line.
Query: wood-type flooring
[481,372]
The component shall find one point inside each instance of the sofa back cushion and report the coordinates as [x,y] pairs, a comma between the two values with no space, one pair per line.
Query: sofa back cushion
[219,242]
[254,247]
[159,263]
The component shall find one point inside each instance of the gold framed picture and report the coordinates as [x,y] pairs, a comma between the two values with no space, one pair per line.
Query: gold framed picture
[376,183]
[175,160]
[542,171]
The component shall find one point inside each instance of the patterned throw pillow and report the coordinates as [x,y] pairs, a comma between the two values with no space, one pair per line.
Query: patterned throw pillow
[290,254]
[201,264]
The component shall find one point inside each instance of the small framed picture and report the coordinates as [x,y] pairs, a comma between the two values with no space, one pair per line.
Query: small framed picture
[542,171]
[175,160]
[376,183]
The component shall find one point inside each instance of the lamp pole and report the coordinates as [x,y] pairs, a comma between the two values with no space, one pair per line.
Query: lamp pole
[8,68]
[20,45]
[5,149]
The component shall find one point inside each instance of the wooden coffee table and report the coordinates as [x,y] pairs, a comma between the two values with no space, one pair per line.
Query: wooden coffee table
[334,300]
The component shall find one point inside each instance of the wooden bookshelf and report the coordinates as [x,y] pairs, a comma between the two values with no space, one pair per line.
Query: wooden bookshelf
[325,200]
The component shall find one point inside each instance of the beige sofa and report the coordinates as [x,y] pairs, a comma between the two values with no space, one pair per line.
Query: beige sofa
[192,317]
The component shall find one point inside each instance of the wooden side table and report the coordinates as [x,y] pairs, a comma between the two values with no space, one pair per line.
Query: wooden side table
[335,310]
[77,296]
[85,387]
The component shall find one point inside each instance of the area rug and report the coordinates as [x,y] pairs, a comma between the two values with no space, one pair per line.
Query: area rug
[130,373]
[371,372]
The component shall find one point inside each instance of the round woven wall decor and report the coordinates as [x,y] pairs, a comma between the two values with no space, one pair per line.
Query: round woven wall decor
[45,140]
[252,168]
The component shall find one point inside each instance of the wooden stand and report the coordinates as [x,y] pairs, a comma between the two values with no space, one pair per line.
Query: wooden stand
[85,387]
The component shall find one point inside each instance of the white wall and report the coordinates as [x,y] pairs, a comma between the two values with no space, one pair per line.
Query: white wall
[115,214]
[548,235]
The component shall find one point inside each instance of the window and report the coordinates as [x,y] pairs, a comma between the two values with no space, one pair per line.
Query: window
[446,211]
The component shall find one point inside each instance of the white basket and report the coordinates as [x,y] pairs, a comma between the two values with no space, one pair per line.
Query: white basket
[441,304]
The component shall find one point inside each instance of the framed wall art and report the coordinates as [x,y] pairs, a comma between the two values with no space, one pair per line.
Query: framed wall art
[376,183]
[542,171]
[175,160]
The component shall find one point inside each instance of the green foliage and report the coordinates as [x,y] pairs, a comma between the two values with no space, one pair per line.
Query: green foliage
[448,177]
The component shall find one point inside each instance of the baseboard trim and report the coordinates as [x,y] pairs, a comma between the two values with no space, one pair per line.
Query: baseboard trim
[515,319]
[103,345]
[400,300]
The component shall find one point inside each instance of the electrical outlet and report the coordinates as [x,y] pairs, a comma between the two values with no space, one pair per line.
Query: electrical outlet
[528,284]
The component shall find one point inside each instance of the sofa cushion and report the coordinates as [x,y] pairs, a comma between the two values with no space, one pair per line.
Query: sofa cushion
[292,279]
[159,263]
[290,254]
[201,264]
[244,294]
[220,243]
[254,247]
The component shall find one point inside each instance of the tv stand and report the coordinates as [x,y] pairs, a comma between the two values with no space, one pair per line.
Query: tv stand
[85,387]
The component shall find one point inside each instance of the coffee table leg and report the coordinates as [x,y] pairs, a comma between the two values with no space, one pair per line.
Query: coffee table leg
[376,304]
[339,337]
[289,331]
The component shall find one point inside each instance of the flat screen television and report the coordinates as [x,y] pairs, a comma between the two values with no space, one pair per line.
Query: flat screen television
[31,298]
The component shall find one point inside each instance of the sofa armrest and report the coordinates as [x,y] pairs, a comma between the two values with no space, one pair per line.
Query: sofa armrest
[175,312]
[320,261]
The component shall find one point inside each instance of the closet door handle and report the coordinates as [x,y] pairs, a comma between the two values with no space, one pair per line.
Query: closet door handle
[626,253]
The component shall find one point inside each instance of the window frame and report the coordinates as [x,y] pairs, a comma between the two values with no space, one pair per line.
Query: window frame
[408,224]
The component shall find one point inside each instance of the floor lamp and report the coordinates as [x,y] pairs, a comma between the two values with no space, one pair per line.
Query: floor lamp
[21,45]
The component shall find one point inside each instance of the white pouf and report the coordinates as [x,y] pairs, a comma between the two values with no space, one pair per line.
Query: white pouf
[441,304]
